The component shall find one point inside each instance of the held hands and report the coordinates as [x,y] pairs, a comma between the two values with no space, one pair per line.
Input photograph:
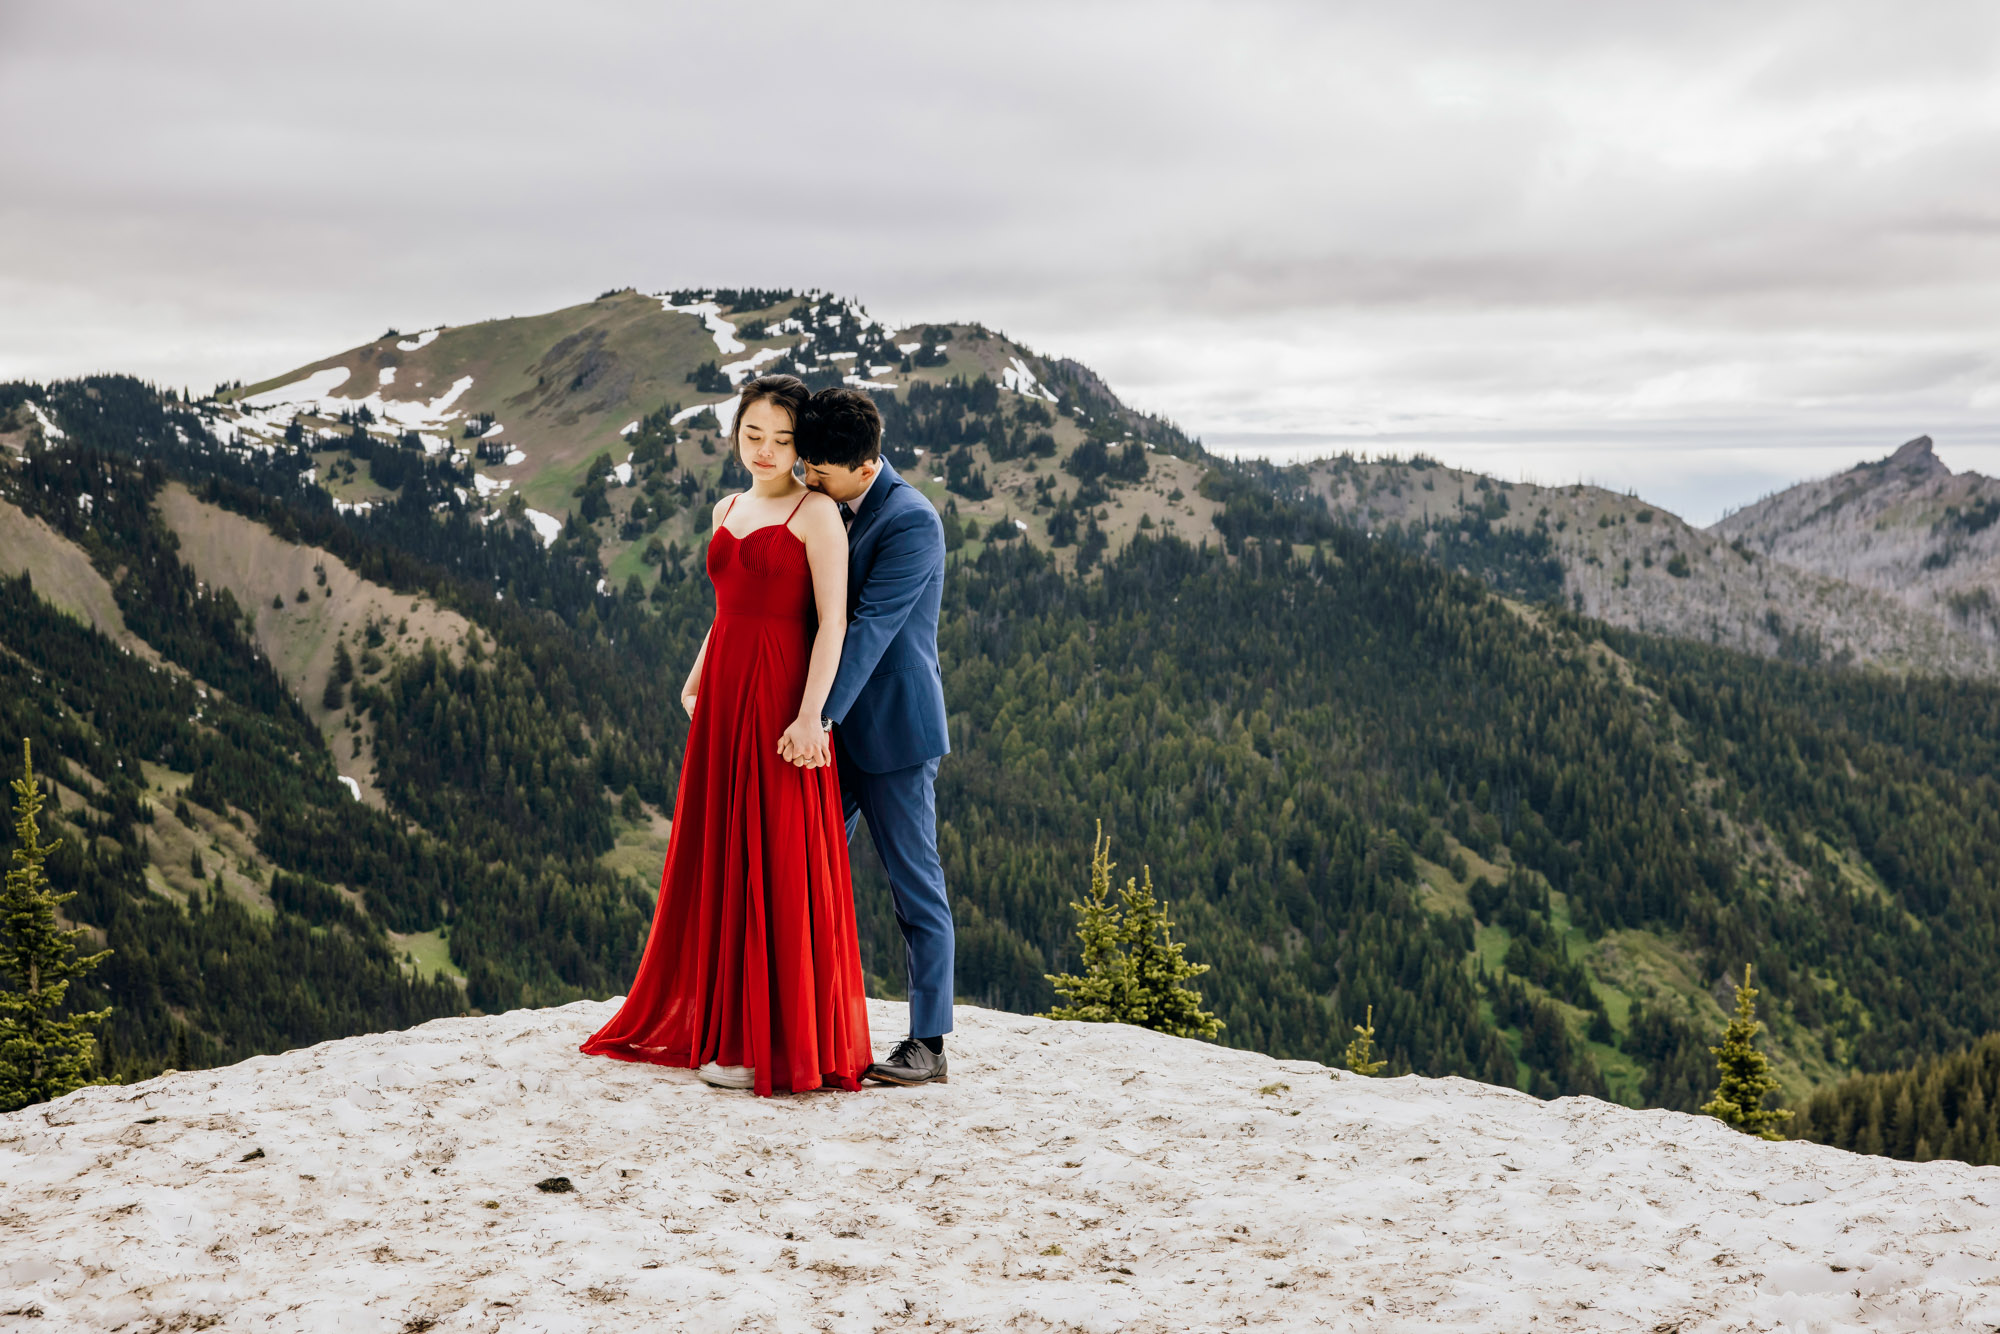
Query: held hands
[805,744]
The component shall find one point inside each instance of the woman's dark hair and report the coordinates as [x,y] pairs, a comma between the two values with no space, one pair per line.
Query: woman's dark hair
[787,391]
[841,428]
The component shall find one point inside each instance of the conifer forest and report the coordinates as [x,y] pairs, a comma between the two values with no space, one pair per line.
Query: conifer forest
[1519,845]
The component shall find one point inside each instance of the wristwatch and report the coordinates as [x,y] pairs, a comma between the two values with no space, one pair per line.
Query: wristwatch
[826,724]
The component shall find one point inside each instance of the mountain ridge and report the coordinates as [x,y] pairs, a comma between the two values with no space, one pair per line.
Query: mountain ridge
[557,391]
[1906,525]
[1635,564]
[1537,844]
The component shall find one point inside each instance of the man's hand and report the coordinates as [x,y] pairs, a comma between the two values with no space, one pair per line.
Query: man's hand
[804,744]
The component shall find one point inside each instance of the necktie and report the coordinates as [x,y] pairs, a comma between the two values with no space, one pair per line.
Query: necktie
[846,515]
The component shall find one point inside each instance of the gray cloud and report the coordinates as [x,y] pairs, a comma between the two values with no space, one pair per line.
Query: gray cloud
[1451,221]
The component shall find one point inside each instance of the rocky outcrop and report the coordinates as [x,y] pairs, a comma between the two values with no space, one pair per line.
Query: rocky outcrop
[1906,526]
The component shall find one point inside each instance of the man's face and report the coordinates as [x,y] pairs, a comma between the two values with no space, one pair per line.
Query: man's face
[843,484]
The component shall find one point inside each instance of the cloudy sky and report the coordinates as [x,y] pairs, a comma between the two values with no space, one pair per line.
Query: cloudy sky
[1697,250]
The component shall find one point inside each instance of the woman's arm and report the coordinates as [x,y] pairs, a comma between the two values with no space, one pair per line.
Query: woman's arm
[818,523]
[693,686]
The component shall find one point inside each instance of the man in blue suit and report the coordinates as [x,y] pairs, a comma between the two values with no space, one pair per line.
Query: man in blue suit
[887,700]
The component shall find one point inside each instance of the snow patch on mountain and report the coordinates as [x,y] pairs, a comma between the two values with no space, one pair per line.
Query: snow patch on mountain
[50,431]
[480,1173]
[422,340]
[268,413]
[710,315]
[547,526]
[1017,377]
[305,393]
[739,371]
[725,413]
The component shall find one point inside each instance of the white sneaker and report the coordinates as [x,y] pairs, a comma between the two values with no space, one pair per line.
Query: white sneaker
[728,1076]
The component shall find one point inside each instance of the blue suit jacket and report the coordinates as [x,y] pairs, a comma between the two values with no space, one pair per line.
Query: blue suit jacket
[888,696]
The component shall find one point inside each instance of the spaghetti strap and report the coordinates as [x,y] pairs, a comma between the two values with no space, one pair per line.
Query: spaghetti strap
[796,508]
[730,506]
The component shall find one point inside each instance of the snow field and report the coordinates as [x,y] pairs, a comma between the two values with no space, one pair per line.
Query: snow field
[424,339]
[1074,1176]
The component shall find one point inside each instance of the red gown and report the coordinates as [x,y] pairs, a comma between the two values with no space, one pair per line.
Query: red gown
[753,958]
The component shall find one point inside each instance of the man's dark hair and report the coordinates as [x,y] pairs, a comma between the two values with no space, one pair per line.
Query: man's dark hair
[787,391]
[840,428]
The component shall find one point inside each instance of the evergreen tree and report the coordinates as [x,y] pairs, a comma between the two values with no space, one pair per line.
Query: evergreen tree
[1744,1073]
[335,695]
[1360,1055]
[1100,994]
[1134,972]
[43,1053]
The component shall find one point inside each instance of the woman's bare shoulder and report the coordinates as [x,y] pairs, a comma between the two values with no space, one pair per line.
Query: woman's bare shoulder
[819,502]
[818,522]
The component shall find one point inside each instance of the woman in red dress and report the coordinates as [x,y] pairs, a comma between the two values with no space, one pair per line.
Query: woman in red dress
[752,973]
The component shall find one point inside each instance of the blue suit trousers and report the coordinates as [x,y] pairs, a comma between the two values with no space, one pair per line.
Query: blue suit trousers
[901,809]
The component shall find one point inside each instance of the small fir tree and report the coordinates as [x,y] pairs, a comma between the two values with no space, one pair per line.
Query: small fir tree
[1744,1073]
[1360,1055]
[1134,972]
[43,1053]
[1101,993]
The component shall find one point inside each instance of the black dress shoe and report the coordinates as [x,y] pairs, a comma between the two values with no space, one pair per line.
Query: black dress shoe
[911,1063]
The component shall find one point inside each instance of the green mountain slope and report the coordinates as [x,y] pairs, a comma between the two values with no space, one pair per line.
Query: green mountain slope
[543,407]
[1537,845]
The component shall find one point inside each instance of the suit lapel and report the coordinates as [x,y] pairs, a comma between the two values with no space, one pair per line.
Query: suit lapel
[871,505]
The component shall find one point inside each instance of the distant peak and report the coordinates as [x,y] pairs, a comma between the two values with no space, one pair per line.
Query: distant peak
[1918,456]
